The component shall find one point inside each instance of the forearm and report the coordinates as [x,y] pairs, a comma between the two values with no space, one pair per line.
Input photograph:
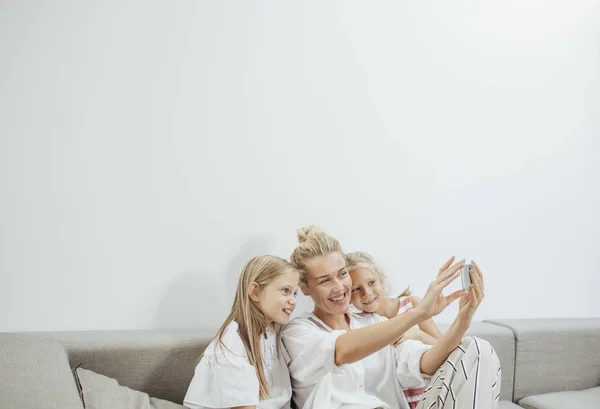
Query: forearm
[360,343]
[439,352]
[429,327]
[427,339]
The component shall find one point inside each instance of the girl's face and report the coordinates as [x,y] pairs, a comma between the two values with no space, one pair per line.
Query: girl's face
[278,299]
[367,289]
[328,283]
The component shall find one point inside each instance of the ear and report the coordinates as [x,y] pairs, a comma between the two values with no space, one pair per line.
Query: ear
[304,288]
[254,292]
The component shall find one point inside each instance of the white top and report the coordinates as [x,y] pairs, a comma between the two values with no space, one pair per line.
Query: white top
[224,377]
[372,382]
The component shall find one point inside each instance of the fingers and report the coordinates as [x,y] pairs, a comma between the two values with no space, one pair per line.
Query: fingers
[455,295]
[476,289]
[449,279]
[450,271]
[480,274]
[446,265]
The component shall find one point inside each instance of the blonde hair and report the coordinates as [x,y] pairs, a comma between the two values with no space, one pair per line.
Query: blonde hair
[313,242]
[363,259]
[252,321]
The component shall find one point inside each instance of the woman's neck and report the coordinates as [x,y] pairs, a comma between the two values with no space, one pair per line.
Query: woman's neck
[333,321]
[389,307]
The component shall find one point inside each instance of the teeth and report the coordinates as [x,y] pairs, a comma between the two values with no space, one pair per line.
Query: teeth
[338,299]
[287,310]
[369,302]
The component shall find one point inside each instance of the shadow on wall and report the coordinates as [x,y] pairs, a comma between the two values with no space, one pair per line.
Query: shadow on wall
[197,298]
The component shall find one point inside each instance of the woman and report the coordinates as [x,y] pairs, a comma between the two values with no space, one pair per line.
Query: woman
[343,360]
[245,366]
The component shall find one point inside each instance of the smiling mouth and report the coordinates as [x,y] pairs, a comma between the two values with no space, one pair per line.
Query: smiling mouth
[288,311]
[370,302]
[339,299]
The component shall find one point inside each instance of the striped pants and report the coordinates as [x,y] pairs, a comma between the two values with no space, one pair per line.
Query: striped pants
[469,379]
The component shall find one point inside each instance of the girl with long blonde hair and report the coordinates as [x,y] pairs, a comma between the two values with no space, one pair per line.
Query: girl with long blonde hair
[245,366]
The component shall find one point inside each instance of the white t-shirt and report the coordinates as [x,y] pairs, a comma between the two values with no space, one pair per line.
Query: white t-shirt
[372,382]
[224,377]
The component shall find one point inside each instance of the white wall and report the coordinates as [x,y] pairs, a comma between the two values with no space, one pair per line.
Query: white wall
[148,149]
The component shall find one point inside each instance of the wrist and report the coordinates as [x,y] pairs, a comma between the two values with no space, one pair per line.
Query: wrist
[463,321]
[420,314]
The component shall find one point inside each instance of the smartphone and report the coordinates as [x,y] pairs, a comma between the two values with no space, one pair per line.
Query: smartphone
[465,275]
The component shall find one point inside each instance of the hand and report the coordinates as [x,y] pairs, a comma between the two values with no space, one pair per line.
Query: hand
[434,301]
[471,301]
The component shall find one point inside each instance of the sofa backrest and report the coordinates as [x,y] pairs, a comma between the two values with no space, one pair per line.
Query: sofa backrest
[503,341]
[161,362]
[158,362]
[555,354]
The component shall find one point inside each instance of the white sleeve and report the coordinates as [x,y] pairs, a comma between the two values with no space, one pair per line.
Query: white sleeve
[224,378]
[312,352]
[408,362]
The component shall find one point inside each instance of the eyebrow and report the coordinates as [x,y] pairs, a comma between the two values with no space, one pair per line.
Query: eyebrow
[327,275]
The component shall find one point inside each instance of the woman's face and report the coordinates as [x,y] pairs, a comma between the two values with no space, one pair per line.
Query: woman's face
[328,283]
[367,289]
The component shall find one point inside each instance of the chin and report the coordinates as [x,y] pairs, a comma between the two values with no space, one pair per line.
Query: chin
[369,308]
[282,320]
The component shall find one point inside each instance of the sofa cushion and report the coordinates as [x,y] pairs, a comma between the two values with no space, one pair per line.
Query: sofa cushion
[555,355]
[503,341]
[505,404]
[585,399]
[35,373]
[158,362]
[102,392]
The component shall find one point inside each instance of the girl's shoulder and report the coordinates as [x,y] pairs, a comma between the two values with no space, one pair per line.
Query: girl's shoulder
[366,318]
[406,304]
[230,344]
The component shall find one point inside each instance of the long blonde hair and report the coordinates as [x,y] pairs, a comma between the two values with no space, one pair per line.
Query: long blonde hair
[363,259]
[313,242]
[252,321]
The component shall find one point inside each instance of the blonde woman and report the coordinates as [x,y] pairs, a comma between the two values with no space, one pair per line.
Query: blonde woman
[344,360]
[245,366]
[370,294]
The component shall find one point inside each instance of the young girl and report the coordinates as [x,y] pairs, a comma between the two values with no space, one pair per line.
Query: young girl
[370,294]
[341,360]
[245,366]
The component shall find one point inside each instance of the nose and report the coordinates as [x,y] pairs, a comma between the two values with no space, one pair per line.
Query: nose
[292,300]
[338,286]
[365,292]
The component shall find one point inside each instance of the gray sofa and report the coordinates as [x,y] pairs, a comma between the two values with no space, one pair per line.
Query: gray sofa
[547,364]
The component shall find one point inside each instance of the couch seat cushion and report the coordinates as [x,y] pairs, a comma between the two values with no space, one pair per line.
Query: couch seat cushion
[585,399]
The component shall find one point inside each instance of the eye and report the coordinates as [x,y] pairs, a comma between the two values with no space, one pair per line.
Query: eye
[296,293]
[286,291]
[344,273]
[324,281]
[355,289]
[372,282]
